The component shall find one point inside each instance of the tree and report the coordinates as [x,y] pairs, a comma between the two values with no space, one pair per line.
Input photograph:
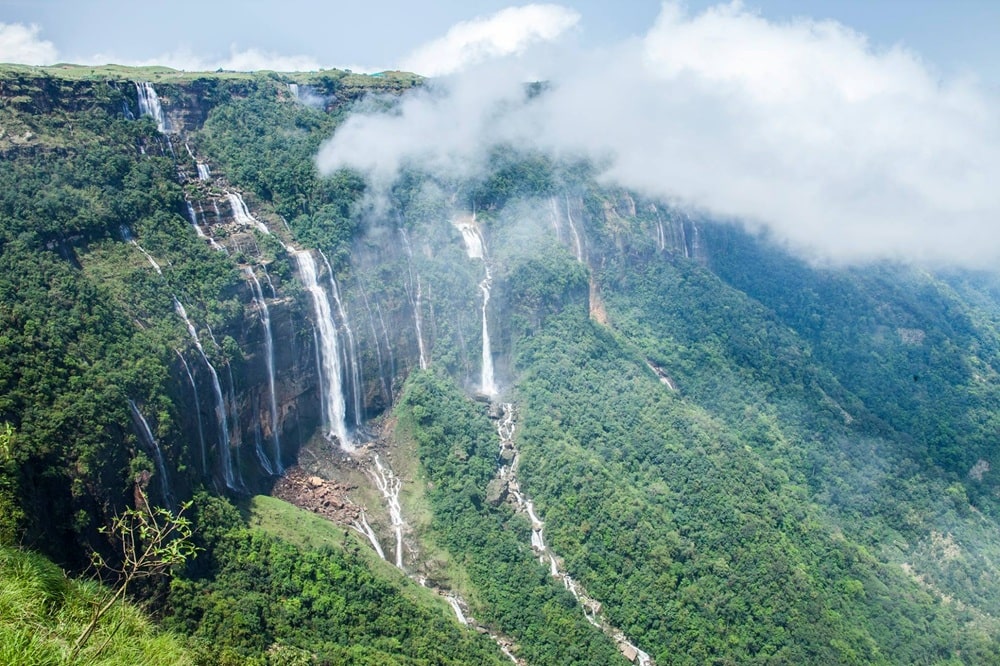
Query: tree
[152,541]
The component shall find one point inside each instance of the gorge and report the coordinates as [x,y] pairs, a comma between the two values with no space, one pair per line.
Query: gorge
[722,452]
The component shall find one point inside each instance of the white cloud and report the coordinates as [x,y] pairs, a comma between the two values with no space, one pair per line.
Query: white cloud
[20,44]
[844,152]
[508,32]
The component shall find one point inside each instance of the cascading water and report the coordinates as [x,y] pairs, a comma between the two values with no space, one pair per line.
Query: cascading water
[577,242]
[204,173]
[197,407]
[475,248]
[242,214]
[149,105]
[334,412]
[146,435]
[415,302]
[506,426]
[265,319]
[350,350]
[127,237]
[221,415]
[386,393]
[362,526]
[389,485]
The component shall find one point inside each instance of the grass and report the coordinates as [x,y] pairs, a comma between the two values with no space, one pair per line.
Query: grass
[42,612]
[159,74]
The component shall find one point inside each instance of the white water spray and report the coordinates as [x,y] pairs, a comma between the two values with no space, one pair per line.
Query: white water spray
[221,416]
[363,527]
[265,319]
[149,105]
[331,381]
[242,214]
[475,248]
[389,485]
[146,435]
[350,352]
[197,407]
[415,303]
[577,242]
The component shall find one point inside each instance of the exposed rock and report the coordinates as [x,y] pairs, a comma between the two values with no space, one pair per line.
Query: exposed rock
[496,492]
[322,497]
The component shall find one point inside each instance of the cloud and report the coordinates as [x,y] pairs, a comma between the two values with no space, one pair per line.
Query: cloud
[843,152]
[508,32]
[20,44]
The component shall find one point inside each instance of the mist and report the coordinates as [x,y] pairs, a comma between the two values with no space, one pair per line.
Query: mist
[843,153]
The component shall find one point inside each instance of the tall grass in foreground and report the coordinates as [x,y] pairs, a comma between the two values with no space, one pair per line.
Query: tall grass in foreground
[42,613]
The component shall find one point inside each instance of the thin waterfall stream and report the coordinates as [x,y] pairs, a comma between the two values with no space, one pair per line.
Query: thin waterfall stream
[506,427]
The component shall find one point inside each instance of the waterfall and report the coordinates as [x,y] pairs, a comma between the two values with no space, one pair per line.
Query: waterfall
[193,216]
[350,351]
[242,214]
[487,382]
[293,88]
[415,302]
[221,415]
[149,105]
[389,485]
[203,171]
[265,319]
[386,393]
[577,243]
[146,435]
[661,238]
[453,601]
[475,248]
[363,527]
[556,224]
[330,371]
[197,407]
[127,237]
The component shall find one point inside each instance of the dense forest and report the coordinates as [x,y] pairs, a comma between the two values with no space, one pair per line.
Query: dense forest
[519,415]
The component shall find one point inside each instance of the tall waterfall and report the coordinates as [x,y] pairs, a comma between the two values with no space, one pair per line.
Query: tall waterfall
[386,392]
[350,351]
[149,104]
[146,435]
[221,415]
[265,318]
[415,302]
[197,407]
[334,412]
[204,173]
[475,248]
[577,241]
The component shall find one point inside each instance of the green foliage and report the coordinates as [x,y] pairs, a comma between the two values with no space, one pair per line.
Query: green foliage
[264,600]
[42,612]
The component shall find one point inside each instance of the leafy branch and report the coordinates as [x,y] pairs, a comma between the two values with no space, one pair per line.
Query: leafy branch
[152,541]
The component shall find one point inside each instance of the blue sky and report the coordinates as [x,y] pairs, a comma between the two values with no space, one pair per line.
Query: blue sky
[953,36]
